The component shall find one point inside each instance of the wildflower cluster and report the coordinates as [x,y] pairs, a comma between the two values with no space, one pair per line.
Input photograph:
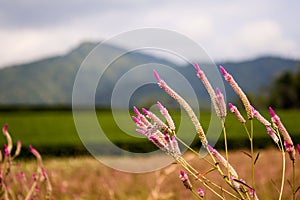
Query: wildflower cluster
[164,137]
[159,133]
[14,184]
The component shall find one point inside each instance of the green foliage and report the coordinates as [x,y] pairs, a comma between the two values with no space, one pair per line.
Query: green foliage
[54,133]
[285,91]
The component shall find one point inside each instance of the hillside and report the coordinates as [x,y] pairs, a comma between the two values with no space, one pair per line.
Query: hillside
[50,81]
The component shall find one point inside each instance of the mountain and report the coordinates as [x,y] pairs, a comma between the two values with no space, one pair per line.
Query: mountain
[50,81]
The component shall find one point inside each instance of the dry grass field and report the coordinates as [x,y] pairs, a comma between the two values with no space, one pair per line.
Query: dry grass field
[87,178]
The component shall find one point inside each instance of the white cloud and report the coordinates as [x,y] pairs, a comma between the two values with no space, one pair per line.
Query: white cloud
[264,37]
[30,44]
[228,30]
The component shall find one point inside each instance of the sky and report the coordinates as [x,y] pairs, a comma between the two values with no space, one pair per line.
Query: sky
[227,30]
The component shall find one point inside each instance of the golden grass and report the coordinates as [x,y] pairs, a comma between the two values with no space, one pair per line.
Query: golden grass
[87,178]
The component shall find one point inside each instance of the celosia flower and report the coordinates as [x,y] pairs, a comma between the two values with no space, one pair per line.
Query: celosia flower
[223,161]
[272,134]
[259,117]
[154,132]
[166,115]
[252,194]
[160,124]
[200,192]
[37,155]
[237,113]
[34,176]
[174,146]
[298,147]
[221,103]
[288,146]
[209,89]
[185,180]
[6,151]
[8,138]
[18,150]
[162,84]
[235,183]
[141,117]
[238,91]
[287,139]
[158,142]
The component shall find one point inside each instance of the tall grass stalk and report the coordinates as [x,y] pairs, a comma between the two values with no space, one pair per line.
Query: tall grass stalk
[164,137]
[14,184]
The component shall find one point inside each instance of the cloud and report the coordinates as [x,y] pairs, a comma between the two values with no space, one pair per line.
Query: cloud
[263,37]
[228,30]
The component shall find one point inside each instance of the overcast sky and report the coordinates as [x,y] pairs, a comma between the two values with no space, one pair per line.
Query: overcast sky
[228,30]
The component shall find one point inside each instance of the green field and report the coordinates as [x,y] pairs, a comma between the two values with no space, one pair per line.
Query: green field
[55,132]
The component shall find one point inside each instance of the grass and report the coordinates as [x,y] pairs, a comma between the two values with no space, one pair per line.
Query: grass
[52,130]
[86,178]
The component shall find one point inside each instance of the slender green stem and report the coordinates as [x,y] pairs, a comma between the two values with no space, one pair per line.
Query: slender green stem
[294,180]
[226,148]
[280,145]
[283,175]
[252,155]
[226,178]
[196,194]
[192,150]
[195,176]
[195,173]
[246,130]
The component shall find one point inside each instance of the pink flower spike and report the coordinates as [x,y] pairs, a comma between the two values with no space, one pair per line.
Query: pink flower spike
[141,131]
[156,76]
[5,128]
[272,134]
[223,71]
[31,148]
[34,151]
[44,173]
[272,112]
[210,148]
[135,120]
[200,192]
[253,110]
[136,111]
[251,193]
[167,137]
[160,106]
[298,147]
[145,111]
[218,92]
[230,106]
[185,179]
[182,173]
[183,176]
[34,176]
[197,67]
[6,151]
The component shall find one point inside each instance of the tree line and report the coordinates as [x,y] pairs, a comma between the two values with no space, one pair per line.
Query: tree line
[285,90]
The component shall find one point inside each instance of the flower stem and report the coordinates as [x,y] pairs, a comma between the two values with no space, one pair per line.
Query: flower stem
[294,180]
[226,148]
[283,164]
[192,150]
[252,154]
[195,194]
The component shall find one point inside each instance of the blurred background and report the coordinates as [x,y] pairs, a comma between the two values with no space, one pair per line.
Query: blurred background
[44,43]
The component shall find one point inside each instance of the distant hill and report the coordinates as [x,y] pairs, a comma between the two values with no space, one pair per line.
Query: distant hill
[50,81]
